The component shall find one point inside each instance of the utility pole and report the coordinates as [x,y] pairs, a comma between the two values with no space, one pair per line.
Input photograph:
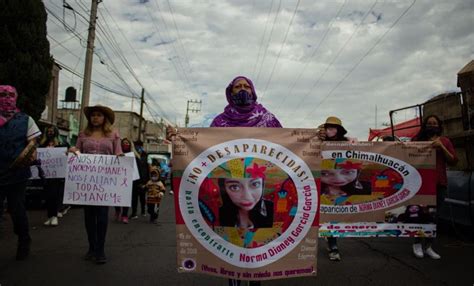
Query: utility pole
[195,107]
[86,86]
[142,102]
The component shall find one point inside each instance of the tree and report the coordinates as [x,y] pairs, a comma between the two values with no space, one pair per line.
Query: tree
[25,61]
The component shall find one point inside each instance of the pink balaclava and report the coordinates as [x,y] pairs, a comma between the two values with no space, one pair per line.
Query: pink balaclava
[8,109]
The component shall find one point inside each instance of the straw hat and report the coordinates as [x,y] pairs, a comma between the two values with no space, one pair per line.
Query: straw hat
[107,112]
[332,120]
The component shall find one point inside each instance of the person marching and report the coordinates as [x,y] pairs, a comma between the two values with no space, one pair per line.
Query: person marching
[332,130]
[17,151]
[431,130]
[54,187]
[242,110]
[97,138]
[155,192]
[121,213]
[138,190]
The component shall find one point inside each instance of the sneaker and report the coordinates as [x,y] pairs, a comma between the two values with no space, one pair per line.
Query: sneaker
[144,214]
[23,250]
[418,250]
[54,221]
[432,254]
[48,222]
[125,220]
[171,192]
[134,217]
[100,259]
[60,215]
[334,255]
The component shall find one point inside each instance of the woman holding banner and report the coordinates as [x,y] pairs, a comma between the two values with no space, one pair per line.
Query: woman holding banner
[332,130]
[121,213]
[97,138]
[54,187]
[431,130]
[242,110]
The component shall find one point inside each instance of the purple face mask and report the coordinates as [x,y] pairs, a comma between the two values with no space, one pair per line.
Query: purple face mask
[242,98]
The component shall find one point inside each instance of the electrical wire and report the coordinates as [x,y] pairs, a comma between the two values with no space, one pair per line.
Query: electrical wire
[379,40]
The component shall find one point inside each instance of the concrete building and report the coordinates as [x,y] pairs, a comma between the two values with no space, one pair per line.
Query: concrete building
[127,124]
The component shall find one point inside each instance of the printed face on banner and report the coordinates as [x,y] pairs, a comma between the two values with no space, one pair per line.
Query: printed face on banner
[248,201]
[356,185]
[420,214]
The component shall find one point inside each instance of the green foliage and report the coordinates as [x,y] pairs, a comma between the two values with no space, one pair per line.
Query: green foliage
[25,61]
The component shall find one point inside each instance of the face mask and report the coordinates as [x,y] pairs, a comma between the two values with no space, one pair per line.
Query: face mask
[331,132]
[8,103]
[242,98]
[154,178]
[432,130]
[126,148]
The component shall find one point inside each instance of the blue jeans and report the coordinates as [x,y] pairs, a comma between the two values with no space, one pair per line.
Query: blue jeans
[96,220]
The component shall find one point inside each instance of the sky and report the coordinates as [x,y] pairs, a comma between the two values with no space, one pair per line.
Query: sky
[353,59]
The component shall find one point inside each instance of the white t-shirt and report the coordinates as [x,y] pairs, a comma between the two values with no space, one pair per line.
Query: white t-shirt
[33,130]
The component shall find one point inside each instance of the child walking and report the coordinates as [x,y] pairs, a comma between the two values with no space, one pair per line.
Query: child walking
[155,192]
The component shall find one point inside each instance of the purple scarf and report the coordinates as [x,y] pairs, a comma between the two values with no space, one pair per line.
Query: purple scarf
[254,115]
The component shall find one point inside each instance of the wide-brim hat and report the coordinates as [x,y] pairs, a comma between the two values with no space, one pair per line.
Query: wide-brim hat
[332,120]
[107,112]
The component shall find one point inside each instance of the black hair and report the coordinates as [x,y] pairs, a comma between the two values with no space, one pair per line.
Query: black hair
[339,135]
[353,188]
[228,212]
[423,134]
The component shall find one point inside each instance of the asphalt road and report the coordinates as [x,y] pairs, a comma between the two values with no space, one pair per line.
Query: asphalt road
[141,253]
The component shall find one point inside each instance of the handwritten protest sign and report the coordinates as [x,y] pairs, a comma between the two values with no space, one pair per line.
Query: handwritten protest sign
[378,189]
[247,202]
[100,180]
[136,174]
[53,163]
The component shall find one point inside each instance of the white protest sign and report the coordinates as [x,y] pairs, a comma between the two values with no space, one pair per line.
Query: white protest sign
[136,175]
[53,163]
[98,180]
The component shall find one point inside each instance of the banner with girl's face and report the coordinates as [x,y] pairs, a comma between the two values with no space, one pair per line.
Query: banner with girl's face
[378,189]
[247,202]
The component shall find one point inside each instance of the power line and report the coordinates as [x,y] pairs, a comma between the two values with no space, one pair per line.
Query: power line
[178,35]
[184,82]
[115,47]
[69,29]
[336,56]
[133,50]
[328,28]
[269,40]
[362,58]
[78,57]
[281,48]
[102,86]
[263,39]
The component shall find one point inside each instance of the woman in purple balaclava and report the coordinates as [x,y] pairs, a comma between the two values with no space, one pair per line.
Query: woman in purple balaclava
[243,109]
